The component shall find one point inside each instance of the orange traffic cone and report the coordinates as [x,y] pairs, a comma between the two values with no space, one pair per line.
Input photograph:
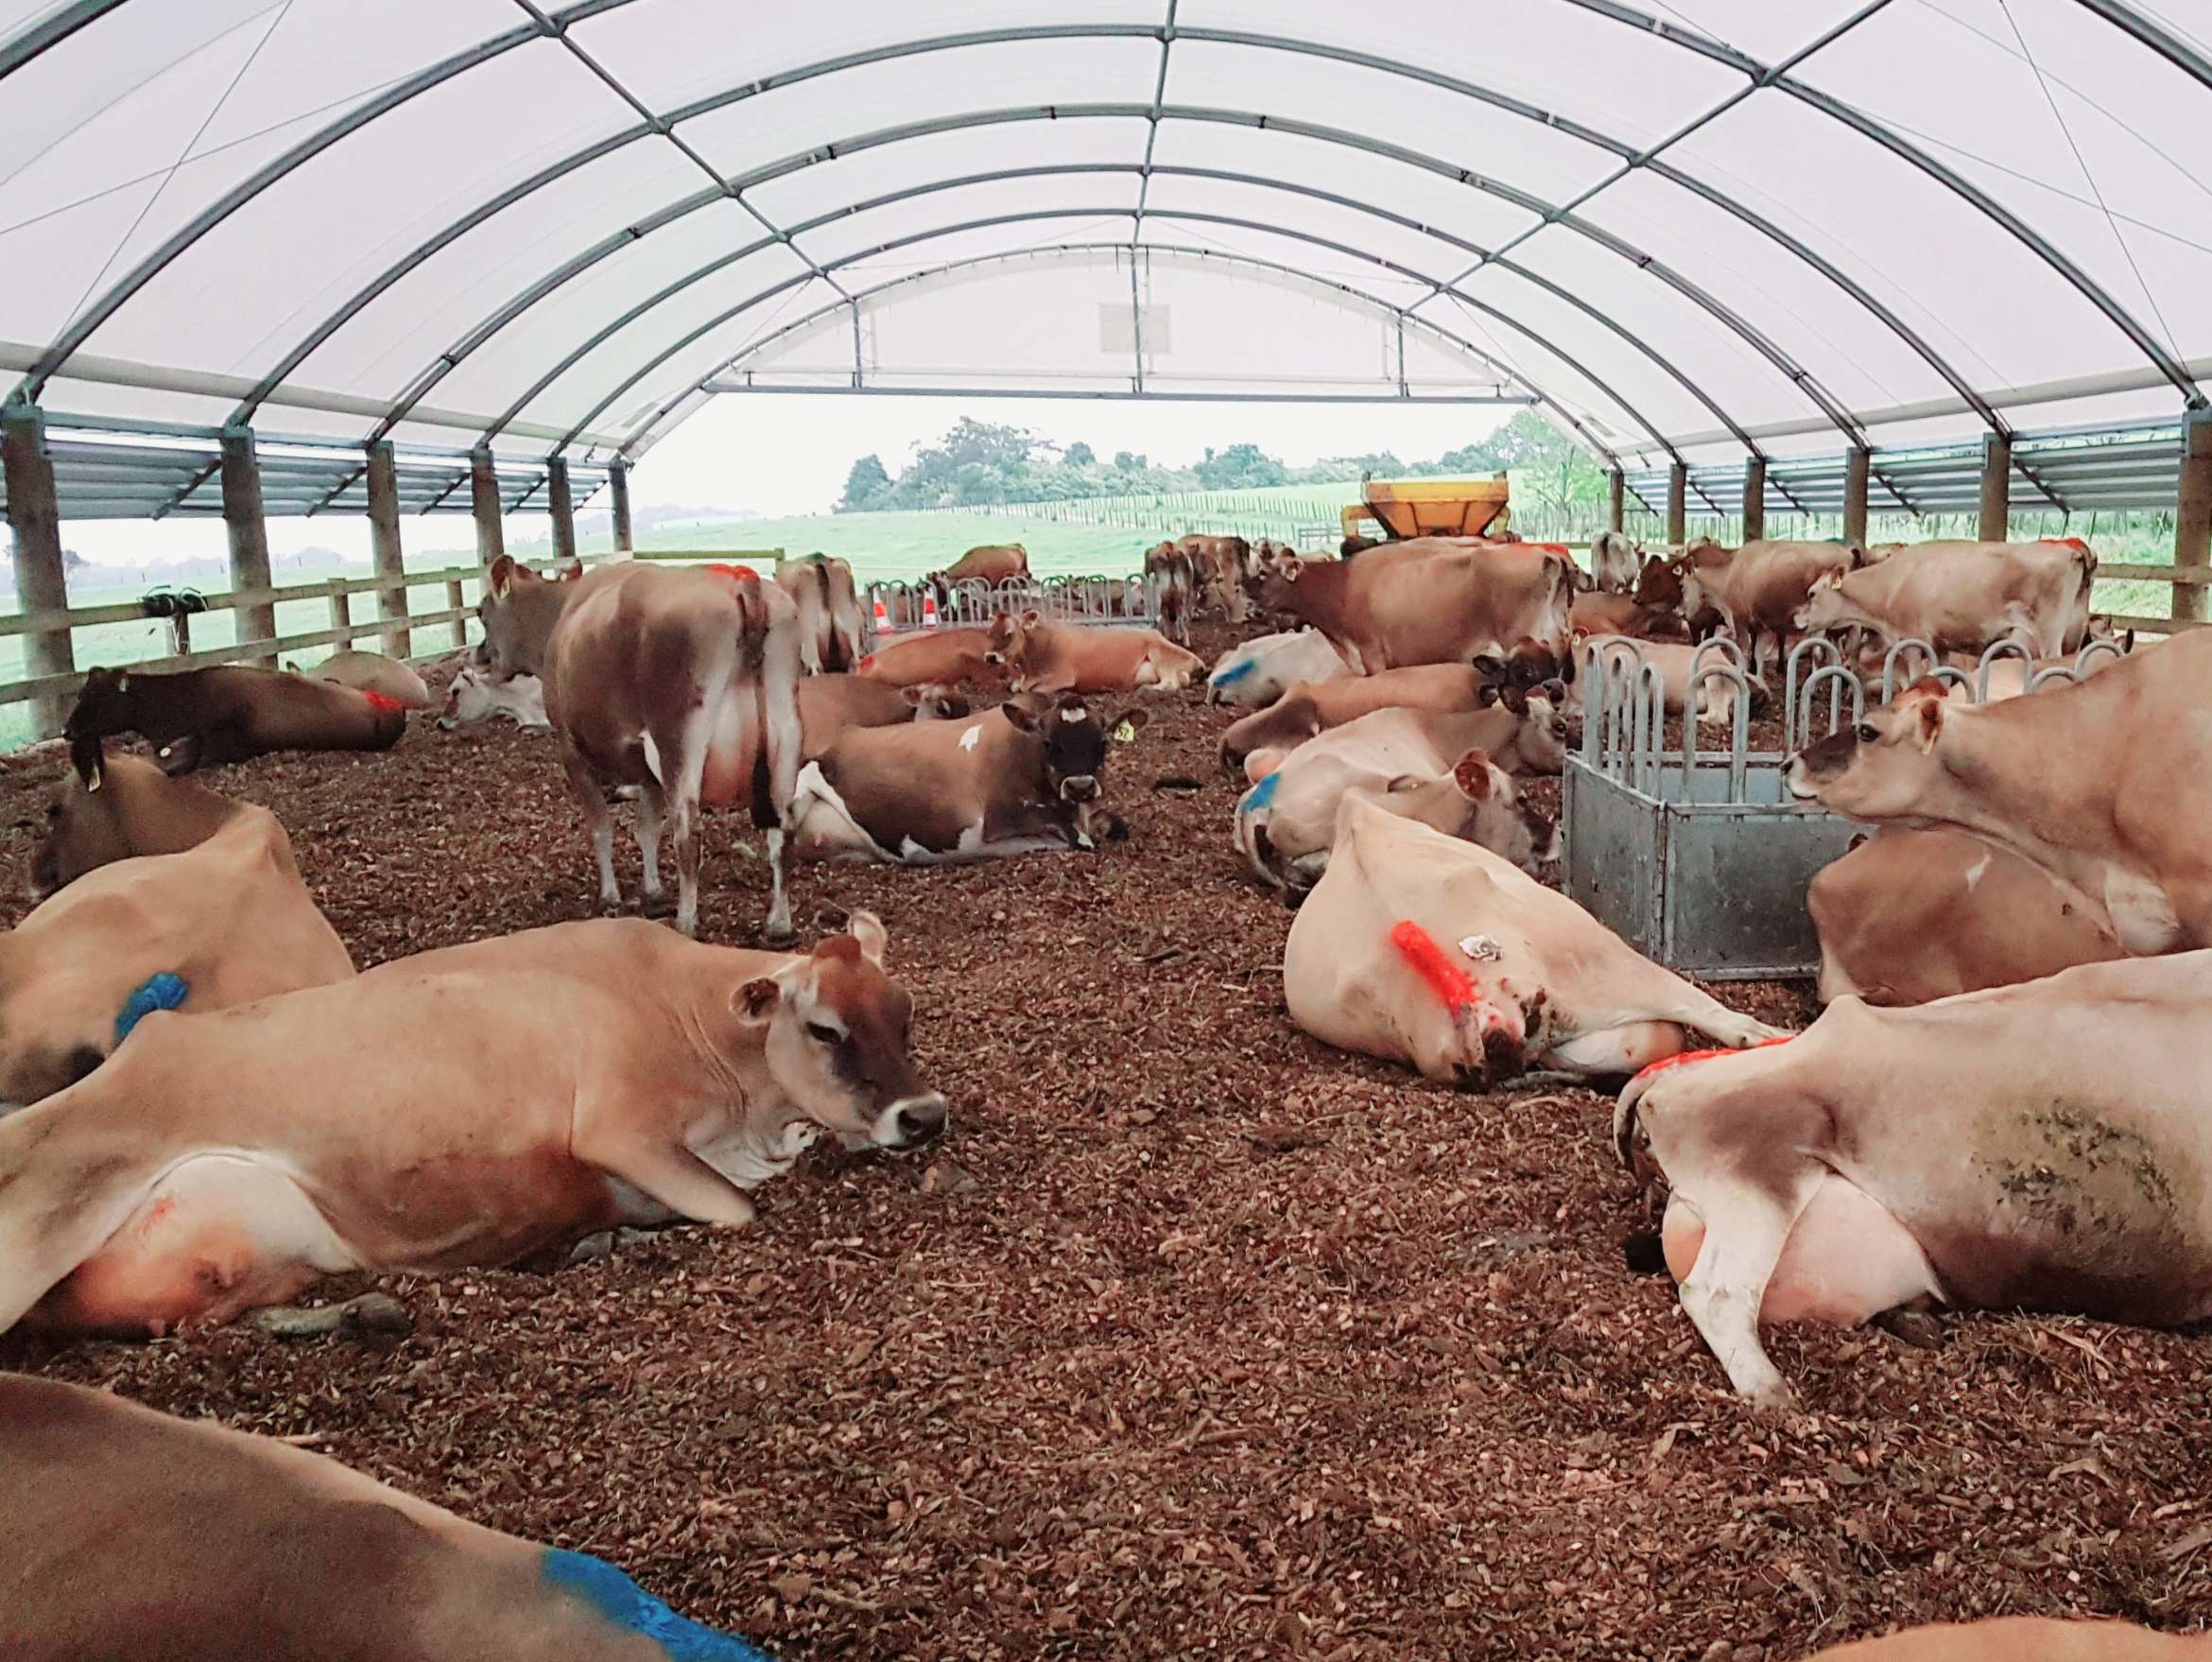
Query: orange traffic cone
[882,617]
[929,611]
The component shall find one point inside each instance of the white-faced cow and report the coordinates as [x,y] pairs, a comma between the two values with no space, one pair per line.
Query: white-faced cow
[476,696]
[1439,770]
[2106,785]
[204,718]
[1418,947]
[831,631]
[1910,916]
[132,1534]
[1262,670]
[1958,596]
[1615,563]
[2039,1147]
[464,1106]
[1028,775]
[684,684]
[1429,600]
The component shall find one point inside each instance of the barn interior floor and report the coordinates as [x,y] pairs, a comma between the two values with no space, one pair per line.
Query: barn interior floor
[1192,1338]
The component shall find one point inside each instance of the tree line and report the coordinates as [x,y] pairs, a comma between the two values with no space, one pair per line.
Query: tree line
[978,463]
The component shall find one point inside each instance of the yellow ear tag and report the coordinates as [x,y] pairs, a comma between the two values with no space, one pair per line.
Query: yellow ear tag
[1125,733]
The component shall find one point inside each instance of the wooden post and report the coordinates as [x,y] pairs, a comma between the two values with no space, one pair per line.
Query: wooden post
[1617,500]
[248,529]
[1997,487]
[1754,499]
[484,497]
[2192,522]
[618,484]
[1678,504]
[34,513]
[562,507]
[386,552]
[457,600]
[341,616]
[1857,470]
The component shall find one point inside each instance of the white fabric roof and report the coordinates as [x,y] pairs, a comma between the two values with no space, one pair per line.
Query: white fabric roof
[1693,230]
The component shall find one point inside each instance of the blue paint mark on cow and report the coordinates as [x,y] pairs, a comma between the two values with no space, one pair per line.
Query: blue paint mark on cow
[159,990]
[1233,673]
[626,1604]
[1260,795]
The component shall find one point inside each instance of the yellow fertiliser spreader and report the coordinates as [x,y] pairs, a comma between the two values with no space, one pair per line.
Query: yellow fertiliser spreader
[1429,507]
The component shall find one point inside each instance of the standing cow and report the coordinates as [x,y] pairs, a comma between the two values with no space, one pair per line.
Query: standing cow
[682,683]
[1960,596]
[830,626]
[1761,588]
[1429,600]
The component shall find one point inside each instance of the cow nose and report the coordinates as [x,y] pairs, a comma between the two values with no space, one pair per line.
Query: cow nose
[1081,788]
[919,1119]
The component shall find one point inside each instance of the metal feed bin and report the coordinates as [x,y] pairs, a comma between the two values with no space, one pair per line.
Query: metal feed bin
[1700,860]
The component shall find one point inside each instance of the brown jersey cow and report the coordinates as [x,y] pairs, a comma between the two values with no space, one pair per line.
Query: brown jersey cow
[940,657]
[1761,587]
[682,683]
[1060,657]
[111,808]
[1308,707]
[830,629]
[989,562]
[830,704]
[233,713]
[464,1106]
[2026,1638]
[1960,596]
[112,1548]
[1429,600]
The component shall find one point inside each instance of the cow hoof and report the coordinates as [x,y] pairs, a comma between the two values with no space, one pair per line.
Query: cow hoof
[610,906]
[373,1312]
[1117,829]
[593,1247]
[656,906]
[777,934]
[1914,1328]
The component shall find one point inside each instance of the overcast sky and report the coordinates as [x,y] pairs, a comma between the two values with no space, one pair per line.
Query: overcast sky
[788,455]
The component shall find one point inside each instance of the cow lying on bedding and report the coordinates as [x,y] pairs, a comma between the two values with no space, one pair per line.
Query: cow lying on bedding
[1028,775]
[1419,947]
[464,1106]
[129,1533]
[2039,1147]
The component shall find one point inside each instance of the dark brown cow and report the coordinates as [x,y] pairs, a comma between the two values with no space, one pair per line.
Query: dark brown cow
[1429,600]
[683,683]
[830,704]
[204,718]
[110,809]
[112,1548]
[1028,775]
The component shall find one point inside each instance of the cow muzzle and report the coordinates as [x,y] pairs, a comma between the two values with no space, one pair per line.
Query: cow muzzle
[1079,788]
[911,1121]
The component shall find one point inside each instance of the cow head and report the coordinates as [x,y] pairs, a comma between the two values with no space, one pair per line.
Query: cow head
[83,827]
[837,1033]
[1542,741]
[935,704]
[1009,641]
[518,612]
[1824,606]
[1073,765]
[475,698]
[107,704]
[1886,767]
[1284,725]
[1701,567]
[1476,802]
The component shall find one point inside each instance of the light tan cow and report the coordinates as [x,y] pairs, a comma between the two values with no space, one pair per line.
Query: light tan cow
[2106,785]
[1958,596]
[1615,563]
[832,704]
[1308,707]
[465,1106]
[831,632]
[1524,733]
[109,807]
[1429,600]
[2026,1638]
[2040,1147]
[1261,670]
[2008,675]
[1419,947]
[1064,657]
[1760,588]
[683,685]
[373,672]
[228,919]
[939,657]
[1675,661]
[1909,916]
[1439,770]
[130,1534]
[988,562]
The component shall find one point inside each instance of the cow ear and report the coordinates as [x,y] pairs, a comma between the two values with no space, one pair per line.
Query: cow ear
[501,578]
[1490,665]
[1858,841]
[913,695]
[756,1000]
[1032,618]
[1929,719]
[1020,715]
[1471,773]
[1131,723]
[867,928]
[90,761]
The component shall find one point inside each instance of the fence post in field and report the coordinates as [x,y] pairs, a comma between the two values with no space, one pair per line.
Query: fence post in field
[1678,503]
[561,505]
[386,553]
[484,498]
[1997,487]
[1617,500]
[248,529]
[34,513]
[1857,469]
[1754,498]
[457,602]
[2192,520]
[618,487]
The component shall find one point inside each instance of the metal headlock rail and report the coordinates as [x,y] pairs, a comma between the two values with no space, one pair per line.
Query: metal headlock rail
[1132,600]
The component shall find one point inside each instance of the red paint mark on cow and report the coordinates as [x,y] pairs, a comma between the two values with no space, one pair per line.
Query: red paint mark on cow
[867,662]
[1676,1060]
[1446,979]
[2076,544]
[379,701]
[742,573]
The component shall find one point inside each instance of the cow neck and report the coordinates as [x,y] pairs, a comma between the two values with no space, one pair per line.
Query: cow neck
[1986,792]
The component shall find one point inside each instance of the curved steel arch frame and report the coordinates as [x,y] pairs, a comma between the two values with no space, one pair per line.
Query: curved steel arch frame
[1034,215]
[422,385]
[543,26]
[1176,251]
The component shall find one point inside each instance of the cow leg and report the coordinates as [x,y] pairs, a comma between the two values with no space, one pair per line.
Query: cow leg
[598,820]
[652,805]
[1747,1225]
[691,756]
[1619,1050]
[670,1175]
[780,741]
[777,930]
